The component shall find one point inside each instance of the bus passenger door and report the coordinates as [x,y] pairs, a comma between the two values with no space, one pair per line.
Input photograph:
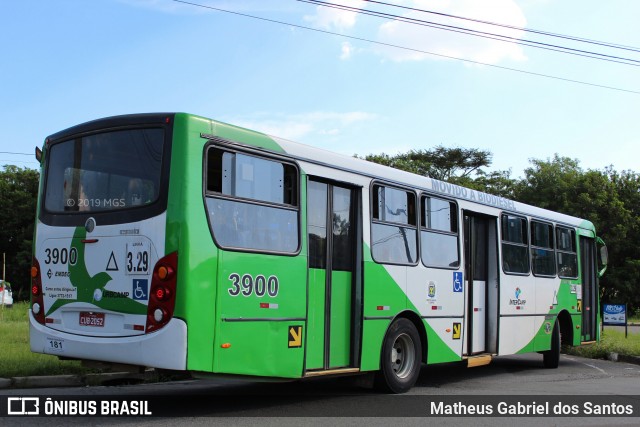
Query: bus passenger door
[481,272]
[333,289]
[589,288]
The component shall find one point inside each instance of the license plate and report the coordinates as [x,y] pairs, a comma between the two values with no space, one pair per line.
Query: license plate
[54,345]
[88,318]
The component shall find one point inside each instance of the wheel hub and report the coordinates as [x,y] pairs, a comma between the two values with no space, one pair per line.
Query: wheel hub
[403,356]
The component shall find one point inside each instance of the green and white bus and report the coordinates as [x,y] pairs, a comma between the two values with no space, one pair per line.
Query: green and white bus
[182,243]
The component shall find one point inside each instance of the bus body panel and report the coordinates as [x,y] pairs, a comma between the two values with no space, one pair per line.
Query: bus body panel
[100,232]
[260,300]
[187,228]
[145,350]
[254,312]
[107,271]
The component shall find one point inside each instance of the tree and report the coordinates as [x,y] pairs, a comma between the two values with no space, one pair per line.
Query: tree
[454,165]
[440,162]
[18,195]
[498,183]
[623,275]
[550,184]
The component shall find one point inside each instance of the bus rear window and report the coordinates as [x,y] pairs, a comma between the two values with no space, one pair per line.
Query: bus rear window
[106,171]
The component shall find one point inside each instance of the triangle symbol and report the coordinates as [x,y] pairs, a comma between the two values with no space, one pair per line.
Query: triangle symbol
[112,265]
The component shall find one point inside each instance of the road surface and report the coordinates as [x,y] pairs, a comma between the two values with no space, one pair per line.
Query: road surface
[345,402]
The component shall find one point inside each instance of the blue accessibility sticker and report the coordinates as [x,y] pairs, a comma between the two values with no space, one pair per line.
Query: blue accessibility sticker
[457,281]
[140,289]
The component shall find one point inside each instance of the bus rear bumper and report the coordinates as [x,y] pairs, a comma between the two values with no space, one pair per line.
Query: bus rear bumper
[165,349]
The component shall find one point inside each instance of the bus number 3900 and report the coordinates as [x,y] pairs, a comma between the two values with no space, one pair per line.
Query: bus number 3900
[247,285]
[61,256]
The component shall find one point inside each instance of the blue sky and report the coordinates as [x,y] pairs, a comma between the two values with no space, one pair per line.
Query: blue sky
[64,62]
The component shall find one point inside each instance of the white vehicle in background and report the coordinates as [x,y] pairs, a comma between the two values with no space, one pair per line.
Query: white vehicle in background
[6,296]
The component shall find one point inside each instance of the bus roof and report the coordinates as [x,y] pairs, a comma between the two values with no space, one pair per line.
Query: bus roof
[301,152]
[311,154]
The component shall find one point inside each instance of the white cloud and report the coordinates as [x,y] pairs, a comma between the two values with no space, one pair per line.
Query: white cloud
[298,126]
[454,44]
[335,19]
[347,51]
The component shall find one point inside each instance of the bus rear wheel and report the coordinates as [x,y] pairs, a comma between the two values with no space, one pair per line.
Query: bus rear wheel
[551,358]
[400,358]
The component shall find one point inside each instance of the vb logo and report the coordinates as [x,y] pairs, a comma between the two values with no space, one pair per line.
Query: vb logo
[23,406]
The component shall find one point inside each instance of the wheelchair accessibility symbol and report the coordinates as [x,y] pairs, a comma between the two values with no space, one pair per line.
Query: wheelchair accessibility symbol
[457,281]
[140,289]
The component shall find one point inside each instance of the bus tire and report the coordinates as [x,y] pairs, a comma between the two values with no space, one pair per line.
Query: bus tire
[551,358]
[400,358]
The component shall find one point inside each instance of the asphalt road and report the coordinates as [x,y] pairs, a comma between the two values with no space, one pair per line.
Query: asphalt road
[345,401]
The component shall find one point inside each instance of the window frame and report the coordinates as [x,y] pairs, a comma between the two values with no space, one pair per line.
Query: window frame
[210,194]
[572,232]
[552,249]
[372,220]
[525,245]
[422,217]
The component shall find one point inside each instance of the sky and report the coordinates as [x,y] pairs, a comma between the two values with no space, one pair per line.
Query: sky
[65,62]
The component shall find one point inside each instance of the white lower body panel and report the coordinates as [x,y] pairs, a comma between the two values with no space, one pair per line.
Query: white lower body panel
[165,349]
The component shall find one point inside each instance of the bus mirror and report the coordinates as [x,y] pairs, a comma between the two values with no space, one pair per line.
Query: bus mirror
[38,154]
[604,257]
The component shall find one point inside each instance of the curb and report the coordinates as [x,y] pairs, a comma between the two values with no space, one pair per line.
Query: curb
[76,380]
[47,381]
[615,357]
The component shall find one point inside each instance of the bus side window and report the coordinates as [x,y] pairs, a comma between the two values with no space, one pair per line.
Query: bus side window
[393,226]
[542,249]
[515,245]
[439,235]
[252,202]
[567,254]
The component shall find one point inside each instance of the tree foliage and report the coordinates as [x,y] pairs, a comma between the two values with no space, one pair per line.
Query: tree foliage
[440,162]
[18,194]
[461,166]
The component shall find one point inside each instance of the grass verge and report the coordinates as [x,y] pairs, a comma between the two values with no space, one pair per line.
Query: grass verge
[16,358]
[612,342]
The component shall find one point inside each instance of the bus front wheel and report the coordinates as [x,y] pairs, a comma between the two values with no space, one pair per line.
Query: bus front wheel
[551,358]
[400,358]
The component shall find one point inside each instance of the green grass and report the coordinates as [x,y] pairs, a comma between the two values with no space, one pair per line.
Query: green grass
[16,358]
[612,342]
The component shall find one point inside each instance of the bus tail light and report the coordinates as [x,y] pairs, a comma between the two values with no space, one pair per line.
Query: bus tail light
[162,298]
[37,301]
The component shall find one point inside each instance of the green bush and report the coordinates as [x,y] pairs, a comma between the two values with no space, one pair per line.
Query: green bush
[612,341]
